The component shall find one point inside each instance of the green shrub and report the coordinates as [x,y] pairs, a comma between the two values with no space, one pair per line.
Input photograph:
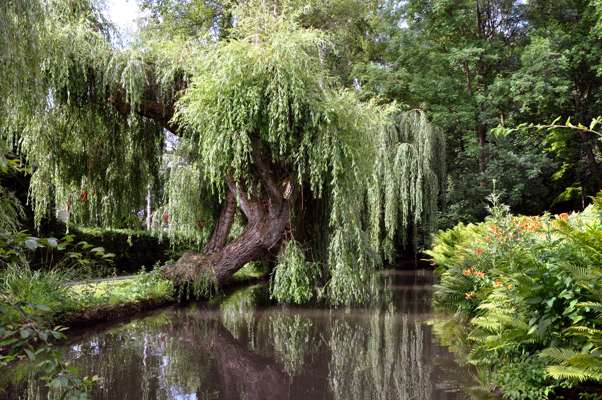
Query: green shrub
[523,378]
[29,302]
[132,248]
[530,287]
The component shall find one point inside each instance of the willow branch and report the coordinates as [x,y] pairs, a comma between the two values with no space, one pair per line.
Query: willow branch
[151,105]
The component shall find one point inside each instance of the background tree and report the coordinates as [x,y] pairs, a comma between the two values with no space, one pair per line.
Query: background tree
[473,65]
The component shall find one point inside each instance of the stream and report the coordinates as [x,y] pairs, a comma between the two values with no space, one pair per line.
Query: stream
[245,347]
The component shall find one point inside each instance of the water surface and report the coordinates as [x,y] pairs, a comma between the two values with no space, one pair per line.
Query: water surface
[241,349]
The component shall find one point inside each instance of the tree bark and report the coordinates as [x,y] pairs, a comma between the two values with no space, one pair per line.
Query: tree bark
[268,221]
[223,226]
[151,105]
[267,210]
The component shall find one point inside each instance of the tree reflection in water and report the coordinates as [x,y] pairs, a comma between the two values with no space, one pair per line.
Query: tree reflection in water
[383,360]
[242,351]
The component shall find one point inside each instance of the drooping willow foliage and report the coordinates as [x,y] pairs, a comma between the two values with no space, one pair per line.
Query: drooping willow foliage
[87,158]
[294,278]
[188,207]
[408,177]
[22,23]
[266,88]
[271,89]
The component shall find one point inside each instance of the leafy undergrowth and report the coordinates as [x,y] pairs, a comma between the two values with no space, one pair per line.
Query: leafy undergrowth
[133,248]
[33,304]
[530,292]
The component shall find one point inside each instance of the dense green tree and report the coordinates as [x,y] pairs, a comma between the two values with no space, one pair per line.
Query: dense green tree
[263,125]
[473,65]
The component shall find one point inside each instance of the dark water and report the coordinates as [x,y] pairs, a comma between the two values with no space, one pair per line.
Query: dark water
[239,350]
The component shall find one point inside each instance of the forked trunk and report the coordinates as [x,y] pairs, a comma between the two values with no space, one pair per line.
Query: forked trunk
[223,226]
[268,221]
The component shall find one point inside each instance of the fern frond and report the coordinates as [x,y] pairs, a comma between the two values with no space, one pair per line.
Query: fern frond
[581,375]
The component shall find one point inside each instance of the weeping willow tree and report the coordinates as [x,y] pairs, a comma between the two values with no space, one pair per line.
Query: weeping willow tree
[263,128]
[407,185]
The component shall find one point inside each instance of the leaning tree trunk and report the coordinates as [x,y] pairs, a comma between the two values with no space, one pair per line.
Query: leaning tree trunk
[268,220]
[267,211]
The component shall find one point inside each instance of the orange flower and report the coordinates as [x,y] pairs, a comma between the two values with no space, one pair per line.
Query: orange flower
[510,286]
[478,251]
[469,295]
[528,224]
[472,271]
[497,283]
[563,217]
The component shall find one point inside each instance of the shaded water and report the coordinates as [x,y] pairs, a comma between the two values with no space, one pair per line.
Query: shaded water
[241,350]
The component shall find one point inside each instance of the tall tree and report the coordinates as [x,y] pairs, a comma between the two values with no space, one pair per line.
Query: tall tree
[473,65]
[263,124]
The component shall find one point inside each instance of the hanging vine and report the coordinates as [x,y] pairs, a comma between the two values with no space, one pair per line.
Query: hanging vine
[408,179]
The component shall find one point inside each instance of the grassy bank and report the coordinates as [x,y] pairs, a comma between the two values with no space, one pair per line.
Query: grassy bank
[61,299]
[35,306]
[526,295]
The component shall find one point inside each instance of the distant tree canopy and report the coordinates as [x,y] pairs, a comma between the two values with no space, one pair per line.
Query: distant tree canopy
[472,65]
[254,93]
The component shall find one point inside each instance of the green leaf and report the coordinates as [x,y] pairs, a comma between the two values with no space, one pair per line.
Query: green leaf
[8,342]
[25,333]
[30,354]
[32,243]
[42,307]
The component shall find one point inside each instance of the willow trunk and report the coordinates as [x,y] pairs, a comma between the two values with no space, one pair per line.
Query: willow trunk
[267,214]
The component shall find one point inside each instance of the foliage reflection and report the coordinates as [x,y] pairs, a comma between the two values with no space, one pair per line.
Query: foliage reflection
[243,351]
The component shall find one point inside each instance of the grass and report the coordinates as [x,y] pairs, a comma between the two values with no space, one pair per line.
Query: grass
[61,300]
[140,287]
[251,271]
